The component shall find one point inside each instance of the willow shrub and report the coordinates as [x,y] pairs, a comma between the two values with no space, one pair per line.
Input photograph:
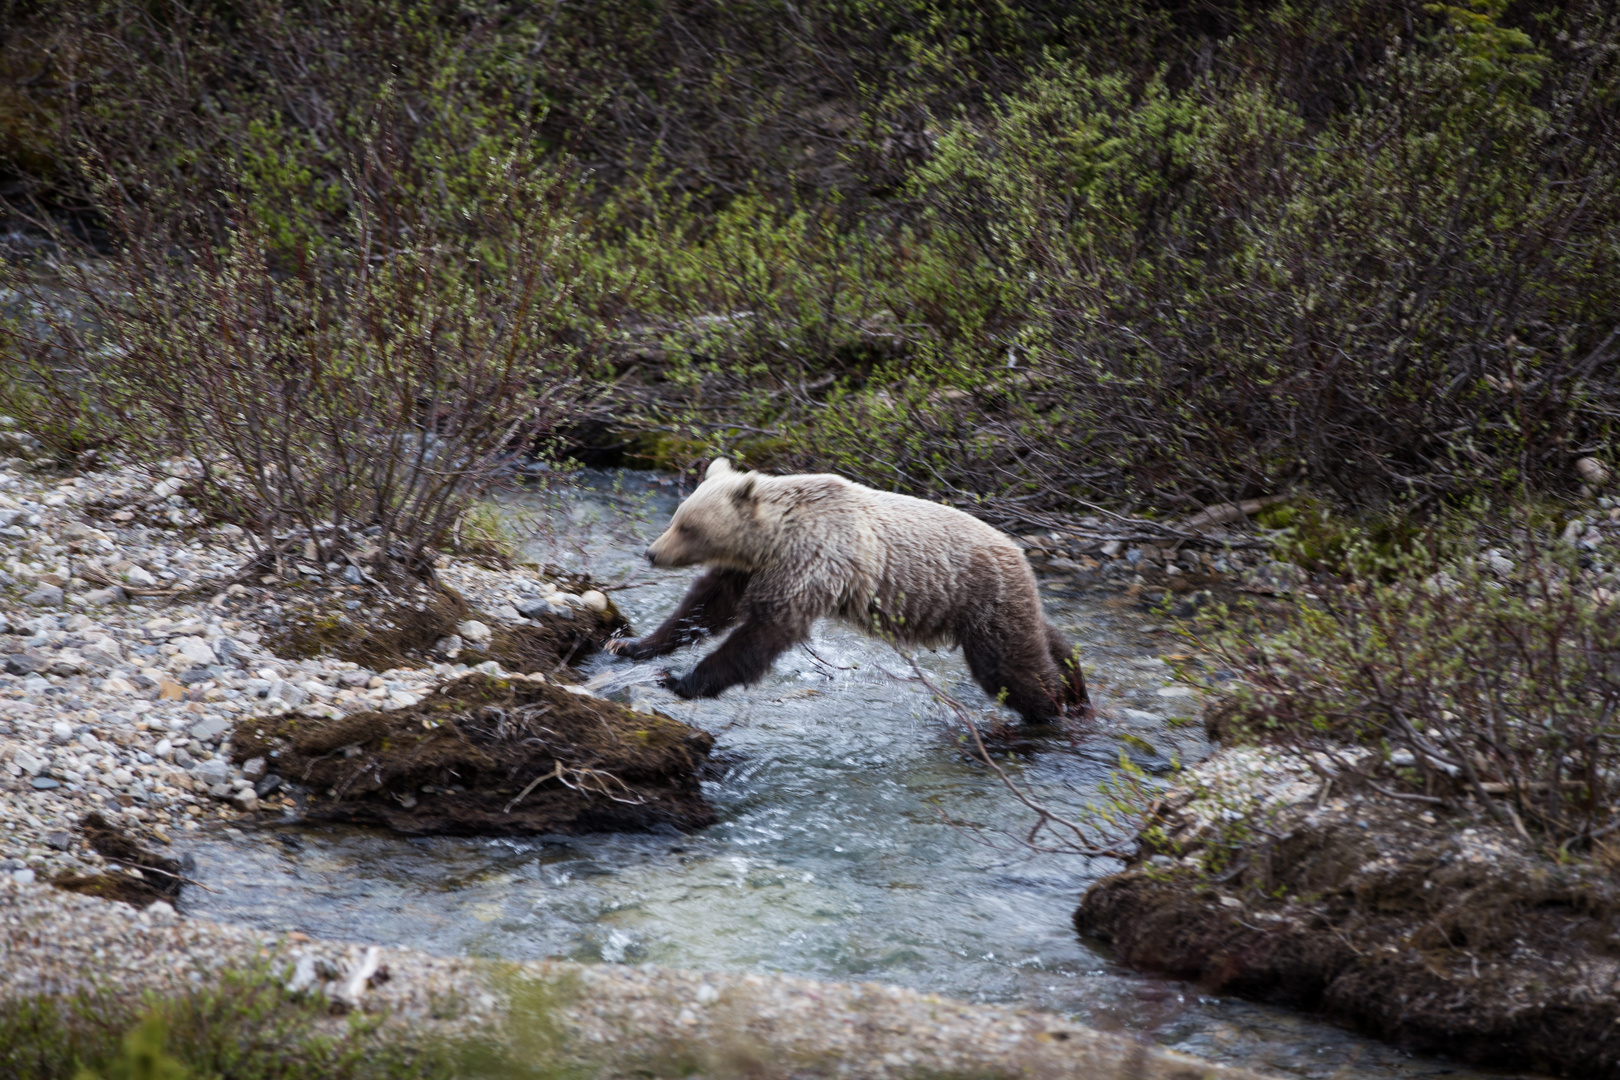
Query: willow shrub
[1171,294]
[1469,684]
[337,402]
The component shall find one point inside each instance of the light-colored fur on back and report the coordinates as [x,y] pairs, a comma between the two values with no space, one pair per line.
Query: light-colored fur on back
[823,545]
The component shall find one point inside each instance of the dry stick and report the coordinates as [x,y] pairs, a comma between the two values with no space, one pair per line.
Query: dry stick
[1430,799]
[555,774]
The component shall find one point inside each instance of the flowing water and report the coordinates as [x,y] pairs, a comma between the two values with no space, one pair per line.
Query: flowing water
[833,857]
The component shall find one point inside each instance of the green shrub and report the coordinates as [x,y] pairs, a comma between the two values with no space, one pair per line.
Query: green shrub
[338,403]
[1030,255]
[244,1028]
[1500,684]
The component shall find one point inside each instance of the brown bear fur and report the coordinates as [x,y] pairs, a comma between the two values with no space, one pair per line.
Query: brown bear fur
[783,551]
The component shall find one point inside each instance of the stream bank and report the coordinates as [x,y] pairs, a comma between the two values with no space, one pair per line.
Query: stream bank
[1443,935]
[596,1019]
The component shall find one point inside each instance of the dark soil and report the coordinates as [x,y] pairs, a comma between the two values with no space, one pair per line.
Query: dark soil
[405,634]
[1453,937]
[160,877]
[484,755]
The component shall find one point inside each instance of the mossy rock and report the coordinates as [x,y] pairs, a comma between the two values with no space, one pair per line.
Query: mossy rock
[405,633]
[486,755]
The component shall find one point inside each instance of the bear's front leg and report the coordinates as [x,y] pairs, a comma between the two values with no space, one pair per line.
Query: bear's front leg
[744,657]
[708,607]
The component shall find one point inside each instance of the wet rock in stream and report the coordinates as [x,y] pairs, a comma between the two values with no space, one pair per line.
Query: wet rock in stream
[491,754]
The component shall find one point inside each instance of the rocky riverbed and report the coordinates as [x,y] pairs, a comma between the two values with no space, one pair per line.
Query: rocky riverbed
[133,650]
[144,670]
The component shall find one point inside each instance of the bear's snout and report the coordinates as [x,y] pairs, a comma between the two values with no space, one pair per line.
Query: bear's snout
[651,557]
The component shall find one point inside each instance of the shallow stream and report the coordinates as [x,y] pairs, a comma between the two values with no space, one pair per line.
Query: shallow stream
[832,858]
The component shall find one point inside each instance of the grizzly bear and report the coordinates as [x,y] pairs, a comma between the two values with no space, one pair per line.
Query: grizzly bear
[783,551]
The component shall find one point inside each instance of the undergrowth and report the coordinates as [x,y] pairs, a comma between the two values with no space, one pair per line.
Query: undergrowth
[244,1028]
[1478,677]
[1021,258]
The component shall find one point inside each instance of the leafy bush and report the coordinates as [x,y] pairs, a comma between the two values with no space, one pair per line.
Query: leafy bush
[1500,684]
[1035,254]
[1165,295]
[338,403]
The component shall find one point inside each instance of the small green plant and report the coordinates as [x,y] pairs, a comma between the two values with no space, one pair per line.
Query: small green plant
[142,1056]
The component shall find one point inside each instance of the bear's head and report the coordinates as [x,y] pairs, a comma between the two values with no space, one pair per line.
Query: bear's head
[719,524]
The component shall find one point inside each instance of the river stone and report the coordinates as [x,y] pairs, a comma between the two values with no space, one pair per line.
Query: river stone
[535,609]
[140,577]
[44,783]
[112,594]
[103,651]
[212,773]
[474,631]
[45,596]
[253,768]
[210,729]
[594,599]
[21,664]
[9,518]
[196,650]
[266,785]
[194,675]
[288,693]
[67,662]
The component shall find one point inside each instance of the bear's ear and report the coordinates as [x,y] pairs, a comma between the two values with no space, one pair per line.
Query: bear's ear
[744,492]
[719,467]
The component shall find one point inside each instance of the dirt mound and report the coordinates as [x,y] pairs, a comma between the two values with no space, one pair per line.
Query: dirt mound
[154,878]
[1451,937]
[408,633]
[491,755]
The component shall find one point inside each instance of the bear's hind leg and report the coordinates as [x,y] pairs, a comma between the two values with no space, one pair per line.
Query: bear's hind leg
[708,607]
[1016,667]
[1067,659]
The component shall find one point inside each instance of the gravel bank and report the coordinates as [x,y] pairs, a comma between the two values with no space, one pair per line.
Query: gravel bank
[616,1018]
[128,651]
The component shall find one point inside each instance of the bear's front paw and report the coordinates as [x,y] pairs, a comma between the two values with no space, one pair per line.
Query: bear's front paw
[631,648]
[680,686]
